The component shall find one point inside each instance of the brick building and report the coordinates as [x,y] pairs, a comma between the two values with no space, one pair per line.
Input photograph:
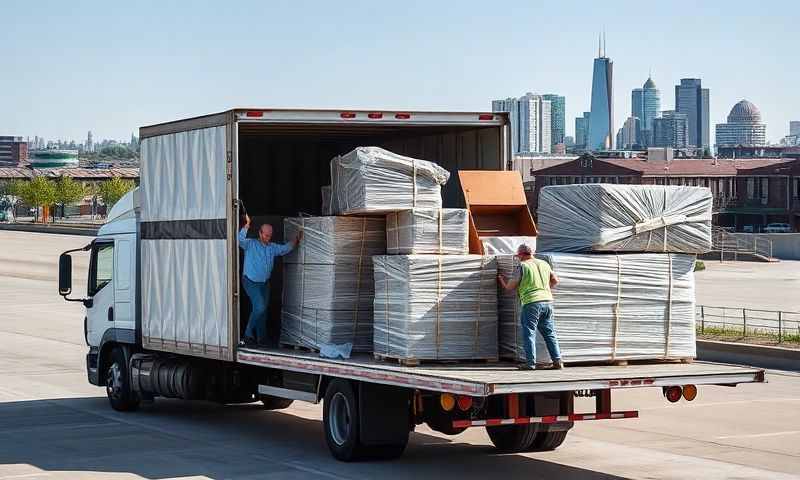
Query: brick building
[746,193]
[13,151]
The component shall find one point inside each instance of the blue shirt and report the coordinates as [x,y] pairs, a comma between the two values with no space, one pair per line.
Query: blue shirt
[259,258]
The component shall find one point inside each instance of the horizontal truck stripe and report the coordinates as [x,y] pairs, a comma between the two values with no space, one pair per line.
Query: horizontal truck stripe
[212,229]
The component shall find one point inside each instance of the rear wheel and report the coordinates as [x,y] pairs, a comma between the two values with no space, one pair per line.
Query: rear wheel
[341,422]
[275,403]
[545,441]
[118,383]
[512,438]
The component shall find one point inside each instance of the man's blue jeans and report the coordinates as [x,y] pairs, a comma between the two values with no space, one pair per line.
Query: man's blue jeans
[538,315]
[258,293]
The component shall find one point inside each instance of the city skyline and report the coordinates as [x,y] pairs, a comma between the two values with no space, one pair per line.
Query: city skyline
[117,85]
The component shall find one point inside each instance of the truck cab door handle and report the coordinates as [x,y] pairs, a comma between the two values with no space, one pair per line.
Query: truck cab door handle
[110,314]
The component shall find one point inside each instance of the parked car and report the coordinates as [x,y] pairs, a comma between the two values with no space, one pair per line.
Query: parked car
[778,228]
[747,229]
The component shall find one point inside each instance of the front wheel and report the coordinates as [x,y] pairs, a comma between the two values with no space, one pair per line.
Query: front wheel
[118,383]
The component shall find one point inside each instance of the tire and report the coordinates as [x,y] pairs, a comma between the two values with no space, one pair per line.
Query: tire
[275,403]
[341,422]
[546,441]
[512,438]
[118,383]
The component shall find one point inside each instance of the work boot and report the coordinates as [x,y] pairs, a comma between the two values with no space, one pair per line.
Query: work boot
[525,366]
[247,342]
[557,365]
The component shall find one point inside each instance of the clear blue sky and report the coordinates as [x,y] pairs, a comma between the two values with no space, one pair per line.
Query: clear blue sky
[111,67]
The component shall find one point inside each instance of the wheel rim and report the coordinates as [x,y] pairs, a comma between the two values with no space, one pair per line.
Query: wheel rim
[339,424]
[114,381]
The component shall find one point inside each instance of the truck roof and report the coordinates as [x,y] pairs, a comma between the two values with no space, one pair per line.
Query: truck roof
[497,378]
[327,116]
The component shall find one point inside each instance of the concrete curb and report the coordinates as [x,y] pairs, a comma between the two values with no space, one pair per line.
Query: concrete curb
[58,229]
[778,358]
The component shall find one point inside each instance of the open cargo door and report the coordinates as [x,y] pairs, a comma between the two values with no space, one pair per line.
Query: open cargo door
[497,206]
[184,243]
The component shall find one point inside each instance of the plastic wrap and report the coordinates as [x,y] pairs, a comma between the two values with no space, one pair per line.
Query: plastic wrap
[328,285]
[435,307]
[624,218]
[506,245]
[611,307]
[374,180]
[421,230]
[325,192]
[328,240]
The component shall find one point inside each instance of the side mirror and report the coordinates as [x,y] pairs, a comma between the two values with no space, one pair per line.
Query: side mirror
[64,274]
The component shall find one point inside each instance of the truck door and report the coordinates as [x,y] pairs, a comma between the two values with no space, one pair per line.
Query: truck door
[124,283]
[100,315]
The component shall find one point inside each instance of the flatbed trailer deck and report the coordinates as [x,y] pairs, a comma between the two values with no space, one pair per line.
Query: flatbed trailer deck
[485,379]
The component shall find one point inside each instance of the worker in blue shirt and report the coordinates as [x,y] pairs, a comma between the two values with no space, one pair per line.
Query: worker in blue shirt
[259,258]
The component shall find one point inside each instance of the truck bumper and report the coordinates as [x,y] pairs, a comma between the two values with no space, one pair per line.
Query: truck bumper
[91,366]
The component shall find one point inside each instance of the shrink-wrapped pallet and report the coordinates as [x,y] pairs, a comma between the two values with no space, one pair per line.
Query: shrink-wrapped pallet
[624,218]
[328,284]
[426,230]
[325,192]
[371,180]
[611,307]
[506,245]
[327,240]
[435,307]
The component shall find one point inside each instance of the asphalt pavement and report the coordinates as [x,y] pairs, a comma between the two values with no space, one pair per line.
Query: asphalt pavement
[53,424]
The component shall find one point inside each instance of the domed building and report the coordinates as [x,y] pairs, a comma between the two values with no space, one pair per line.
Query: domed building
[53,158]
[744,127]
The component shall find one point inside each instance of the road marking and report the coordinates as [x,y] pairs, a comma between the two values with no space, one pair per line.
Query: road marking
[759,435]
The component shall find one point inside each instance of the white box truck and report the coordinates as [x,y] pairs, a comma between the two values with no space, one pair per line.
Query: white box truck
[165,309]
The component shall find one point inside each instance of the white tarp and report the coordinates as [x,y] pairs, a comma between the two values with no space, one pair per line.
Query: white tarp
[427,230]
[185,282]
[373,180]
[624,218]
[436,307]
[612,307]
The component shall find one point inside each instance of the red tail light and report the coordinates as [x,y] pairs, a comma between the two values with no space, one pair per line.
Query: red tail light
[402,116]
[485,116]
[464,402]
[254,113]
[347,115]
[673,394]
[375,116]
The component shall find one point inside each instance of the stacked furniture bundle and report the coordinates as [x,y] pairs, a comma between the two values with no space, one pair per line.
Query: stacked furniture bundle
[624,218]
[328,281]
[426,230]
[435,307]
[611,307]
[371,180]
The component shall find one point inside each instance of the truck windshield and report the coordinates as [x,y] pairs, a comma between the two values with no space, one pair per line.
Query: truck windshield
[101,267]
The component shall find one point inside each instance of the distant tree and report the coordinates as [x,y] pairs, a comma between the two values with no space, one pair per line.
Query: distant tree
[37,193]
[112,190]
[707,153]
[117,151]
[68,192]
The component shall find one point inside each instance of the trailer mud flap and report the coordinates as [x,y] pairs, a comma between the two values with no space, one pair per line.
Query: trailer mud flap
[385,413]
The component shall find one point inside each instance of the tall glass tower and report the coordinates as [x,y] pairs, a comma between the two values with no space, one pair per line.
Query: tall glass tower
[692,99]
[557,118]
[601,120]
[645,105]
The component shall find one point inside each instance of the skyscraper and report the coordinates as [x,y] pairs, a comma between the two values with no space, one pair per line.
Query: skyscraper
[671,130]
[599,135]
[645,105]
[581,127]
[530,122]
[744,127]
[89,142]
[794,127]
[628,137]
[557,119]
[692,100]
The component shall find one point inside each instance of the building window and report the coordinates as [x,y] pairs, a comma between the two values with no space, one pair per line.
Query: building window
[764,190]
[797,188]
[751,188]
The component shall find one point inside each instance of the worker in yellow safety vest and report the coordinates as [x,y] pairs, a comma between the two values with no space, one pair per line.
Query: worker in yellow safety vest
[534,280]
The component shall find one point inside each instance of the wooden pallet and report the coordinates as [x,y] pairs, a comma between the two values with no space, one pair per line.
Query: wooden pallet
[299,348]
[415,362]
